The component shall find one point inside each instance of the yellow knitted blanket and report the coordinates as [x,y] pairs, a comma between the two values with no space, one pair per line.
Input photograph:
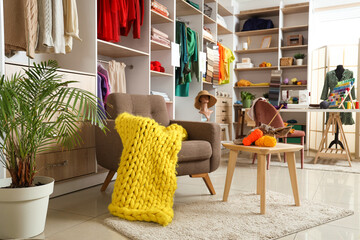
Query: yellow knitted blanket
[146,178]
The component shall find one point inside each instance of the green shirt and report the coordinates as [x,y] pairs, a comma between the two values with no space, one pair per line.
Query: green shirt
[330,82]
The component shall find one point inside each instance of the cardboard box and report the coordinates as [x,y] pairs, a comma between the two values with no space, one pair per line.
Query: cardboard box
[293,40]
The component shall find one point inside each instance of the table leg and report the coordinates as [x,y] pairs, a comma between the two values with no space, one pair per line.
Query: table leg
[342,133]
[292,172]
[229,173]
[261,181]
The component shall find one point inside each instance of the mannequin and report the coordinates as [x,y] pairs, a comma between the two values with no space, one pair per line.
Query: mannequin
[203,101]
[331,79]
[339,71]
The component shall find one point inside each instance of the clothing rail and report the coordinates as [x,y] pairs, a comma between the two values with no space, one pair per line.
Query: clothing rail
[107,62]
[182,20]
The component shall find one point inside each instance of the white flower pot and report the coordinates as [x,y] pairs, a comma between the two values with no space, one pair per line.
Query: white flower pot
[23,210]
[299,61]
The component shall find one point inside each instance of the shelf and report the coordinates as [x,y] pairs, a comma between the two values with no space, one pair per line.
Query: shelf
[293,66]
[158,18]
[295,28]
[264,12]
[155,46]
[209,40]
[253,87]
[169,102]
[223,11]
[208,20]
[222,30]
[207,83]
[292,86]
[291,48]
[258,32]
[259,50]
[185,9]
[116,51]
[160,74]
[296,8]
[256,69]
[209,1]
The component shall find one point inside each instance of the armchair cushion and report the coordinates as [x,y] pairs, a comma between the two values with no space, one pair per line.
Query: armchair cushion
[194,150]
[205,131]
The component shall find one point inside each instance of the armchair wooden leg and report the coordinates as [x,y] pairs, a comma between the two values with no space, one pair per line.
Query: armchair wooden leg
[206,178]
[107,180]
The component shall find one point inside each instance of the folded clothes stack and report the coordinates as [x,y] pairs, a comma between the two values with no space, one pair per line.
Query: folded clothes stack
[207,34]
[221,21]
[160,37]
[164,95]
[159,8]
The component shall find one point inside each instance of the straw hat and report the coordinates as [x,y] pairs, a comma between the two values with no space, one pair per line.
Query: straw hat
[212,99]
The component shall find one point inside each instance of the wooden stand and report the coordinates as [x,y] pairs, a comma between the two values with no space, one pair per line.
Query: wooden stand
[334,118]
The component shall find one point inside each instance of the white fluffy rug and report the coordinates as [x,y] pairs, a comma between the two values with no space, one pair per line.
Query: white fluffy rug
[238,218]
[334,165]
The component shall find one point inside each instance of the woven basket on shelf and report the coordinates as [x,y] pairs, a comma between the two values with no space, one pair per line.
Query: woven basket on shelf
[286,61]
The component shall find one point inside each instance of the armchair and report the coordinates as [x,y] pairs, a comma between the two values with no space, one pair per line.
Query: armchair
[199,155]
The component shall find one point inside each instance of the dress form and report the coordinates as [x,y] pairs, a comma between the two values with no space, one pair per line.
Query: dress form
[204,100]
[339,71]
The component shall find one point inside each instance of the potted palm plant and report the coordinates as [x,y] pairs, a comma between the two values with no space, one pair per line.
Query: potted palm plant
[246,99]
[37,109]
[299,57]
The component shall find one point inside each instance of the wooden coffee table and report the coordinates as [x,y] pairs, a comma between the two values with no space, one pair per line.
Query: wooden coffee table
[289,149]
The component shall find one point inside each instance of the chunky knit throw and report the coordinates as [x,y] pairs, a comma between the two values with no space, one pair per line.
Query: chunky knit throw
[146,178]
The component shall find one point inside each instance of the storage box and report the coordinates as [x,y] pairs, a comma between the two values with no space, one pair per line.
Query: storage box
[293,40]
[245,60]
[244,65]
[286,61]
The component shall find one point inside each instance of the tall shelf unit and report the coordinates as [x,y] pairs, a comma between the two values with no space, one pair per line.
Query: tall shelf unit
[288,20]
[81,64]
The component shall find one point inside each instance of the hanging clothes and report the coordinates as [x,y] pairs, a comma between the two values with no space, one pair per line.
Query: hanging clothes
[226,57]
[45,40]
[71,23]
[188,41]
[20,26]
[100,100]
[58,27]
[330,82]
[117,76]
[104,72]
[105,91]
[116,17]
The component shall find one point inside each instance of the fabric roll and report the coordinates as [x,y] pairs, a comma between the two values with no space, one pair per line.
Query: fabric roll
[117,77]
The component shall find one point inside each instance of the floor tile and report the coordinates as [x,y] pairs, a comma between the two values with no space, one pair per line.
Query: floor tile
[89,202]
[328,232]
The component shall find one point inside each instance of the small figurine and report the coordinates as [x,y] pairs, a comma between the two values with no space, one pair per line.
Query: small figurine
[286,81]
[203,101]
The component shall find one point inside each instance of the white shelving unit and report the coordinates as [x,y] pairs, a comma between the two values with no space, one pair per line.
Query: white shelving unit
[288,20]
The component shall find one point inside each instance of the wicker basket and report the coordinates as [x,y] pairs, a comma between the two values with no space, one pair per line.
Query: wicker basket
[286,61]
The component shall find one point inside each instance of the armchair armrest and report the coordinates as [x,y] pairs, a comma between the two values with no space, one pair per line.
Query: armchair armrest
[206,131]
[108,146]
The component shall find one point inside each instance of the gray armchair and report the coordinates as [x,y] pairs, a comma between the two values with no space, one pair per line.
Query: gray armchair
[199,155]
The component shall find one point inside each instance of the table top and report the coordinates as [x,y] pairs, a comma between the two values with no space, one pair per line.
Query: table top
[279,148]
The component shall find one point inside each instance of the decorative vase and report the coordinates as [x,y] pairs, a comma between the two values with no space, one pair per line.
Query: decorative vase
[299,61]
[23,210]
[246,103]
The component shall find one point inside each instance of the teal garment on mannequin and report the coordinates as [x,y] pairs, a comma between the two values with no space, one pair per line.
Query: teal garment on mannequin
[188,40]
[330,82]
